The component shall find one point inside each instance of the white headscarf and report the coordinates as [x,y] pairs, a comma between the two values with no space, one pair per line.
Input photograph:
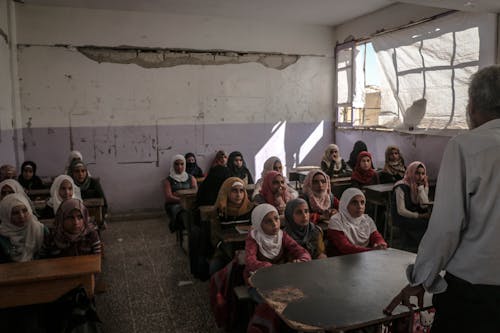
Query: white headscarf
[13,184]
[327,157]
[26,240]
[55,199]
[357,230]
[17,188]
[180,177]
[269,245]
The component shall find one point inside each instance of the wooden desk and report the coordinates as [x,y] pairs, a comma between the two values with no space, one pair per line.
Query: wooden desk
[95,208]
[298,174]
[188,197]
[380,195]
[39,194]
[339,185]
[337,293]
[45,280]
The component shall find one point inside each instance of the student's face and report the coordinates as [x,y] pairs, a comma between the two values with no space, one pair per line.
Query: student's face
[237,195]
[271,223]
[179,166]
[73,222]
[222,161]
[334,153]
[420,175]
[19,215]
[365,163]
[278,167]
[301,214]
[27,173]
[238,162]
[6,190]
[190,159]
[356,206]
[394,155]
[278,185]
[319,183]
[80,174]
[66,190]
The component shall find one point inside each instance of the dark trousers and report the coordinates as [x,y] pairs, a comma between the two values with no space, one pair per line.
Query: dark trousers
[465,307]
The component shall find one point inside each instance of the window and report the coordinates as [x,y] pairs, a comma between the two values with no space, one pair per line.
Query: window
[414,78]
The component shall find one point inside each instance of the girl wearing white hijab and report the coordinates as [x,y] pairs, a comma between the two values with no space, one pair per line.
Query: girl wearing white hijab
[351,230]
[178,179]
[9,186]
[73,155]
[267,244]
[62,188]
[21,235]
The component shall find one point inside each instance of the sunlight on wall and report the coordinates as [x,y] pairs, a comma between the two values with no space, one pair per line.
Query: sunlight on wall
[275,146]
[310,142]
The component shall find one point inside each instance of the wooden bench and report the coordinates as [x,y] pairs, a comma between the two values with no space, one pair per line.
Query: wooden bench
[45,280]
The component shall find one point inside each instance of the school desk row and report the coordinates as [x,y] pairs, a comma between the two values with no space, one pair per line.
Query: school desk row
[46,280]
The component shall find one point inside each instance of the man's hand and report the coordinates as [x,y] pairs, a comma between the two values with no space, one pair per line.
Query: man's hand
[404,298]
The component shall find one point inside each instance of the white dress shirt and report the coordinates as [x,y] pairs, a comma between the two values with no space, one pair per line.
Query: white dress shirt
[464,229]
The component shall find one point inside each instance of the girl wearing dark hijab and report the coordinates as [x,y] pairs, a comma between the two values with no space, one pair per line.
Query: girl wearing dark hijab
[192,167]
[28,178]
[359,146]
[238,167]
[298,226]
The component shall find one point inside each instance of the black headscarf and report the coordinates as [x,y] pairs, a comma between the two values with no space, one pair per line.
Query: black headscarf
[359,146]
[242,172]
[30,184]
[305,236]
[209,189]
[192,168]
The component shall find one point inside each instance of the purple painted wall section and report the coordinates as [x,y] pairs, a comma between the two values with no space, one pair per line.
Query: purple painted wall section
[7,150]
[414,147]
[132,161]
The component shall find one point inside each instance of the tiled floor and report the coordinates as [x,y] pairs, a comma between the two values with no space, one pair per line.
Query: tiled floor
[148,284]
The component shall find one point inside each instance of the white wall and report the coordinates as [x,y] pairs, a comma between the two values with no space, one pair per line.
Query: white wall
[129,120]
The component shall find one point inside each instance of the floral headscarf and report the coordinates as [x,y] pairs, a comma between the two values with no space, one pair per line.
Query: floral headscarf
[318,201]
[394,167]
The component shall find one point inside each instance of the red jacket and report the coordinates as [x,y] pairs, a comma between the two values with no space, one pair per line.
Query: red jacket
[339,244]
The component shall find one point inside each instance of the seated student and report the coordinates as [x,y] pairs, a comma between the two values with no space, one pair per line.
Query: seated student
[21,235]
[232,205]
[316,192]
[192,167]
[273,192]
[74,234]
[394,168]
[178,179]
[306,234]
[273,163]
[351,230]
[74,155]
[61,189]
[267,244]
[89,187]
[220,158]
[408,210]
[364,173]
[7,171]
[9,186]
[238,168]
[333,164]
[28,178]
[358,147]
[209,189]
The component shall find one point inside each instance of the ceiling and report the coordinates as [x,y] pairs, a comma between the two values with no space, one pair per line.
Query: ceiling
[324,12]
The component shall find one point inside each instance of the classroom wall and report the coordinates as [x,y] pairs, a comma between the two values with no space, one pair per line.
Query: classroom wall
[131,89]
[427,147]
[7,111]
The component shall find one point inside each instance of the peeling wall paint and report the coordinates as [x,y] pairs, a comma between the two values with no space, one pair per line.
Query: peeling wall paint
[148,58]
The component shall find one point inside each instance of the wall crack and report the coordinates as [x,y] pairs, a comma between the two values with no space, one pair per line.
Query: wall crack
[158,58]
